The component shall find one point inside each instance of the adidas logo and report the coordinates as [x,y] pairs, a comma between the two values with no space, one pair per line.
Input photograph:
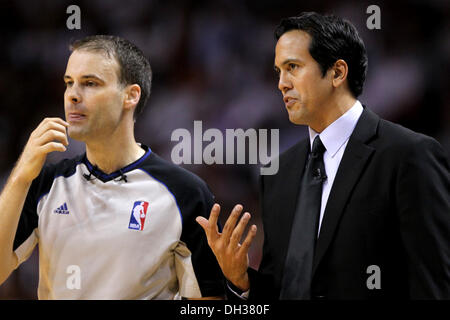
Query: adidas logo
[62,209]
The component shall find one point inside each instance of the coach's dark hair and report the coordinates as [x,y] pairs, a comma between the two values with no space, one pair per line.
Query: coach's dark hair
[332,38]
[134,67]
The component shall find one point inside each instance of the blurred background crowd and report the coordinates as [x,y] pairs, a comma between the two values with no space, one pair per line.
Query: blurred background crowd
[213,61]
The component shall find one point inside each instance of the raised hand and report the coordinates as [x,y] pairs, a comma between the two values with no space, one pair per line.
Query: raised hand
[49,136]
[230,254]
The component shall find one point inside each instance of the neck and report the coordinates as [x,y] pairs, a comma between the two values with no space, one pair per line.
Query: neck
[118,151]
[333,111]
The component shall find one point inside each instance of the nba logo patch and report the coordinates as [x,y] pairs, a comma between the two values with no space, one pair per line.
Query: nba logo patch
[138,215]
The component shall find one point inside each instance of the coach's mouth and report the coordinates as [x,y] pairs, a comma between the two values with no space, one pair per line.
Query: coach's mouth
[289,101]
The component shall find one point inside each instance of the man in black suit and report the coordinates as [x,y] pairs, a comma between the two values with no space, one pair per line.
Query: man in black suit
[360,210]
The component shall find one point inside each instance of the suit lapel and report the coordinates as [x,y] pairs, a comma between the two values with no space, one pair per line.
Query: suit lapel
[353,162]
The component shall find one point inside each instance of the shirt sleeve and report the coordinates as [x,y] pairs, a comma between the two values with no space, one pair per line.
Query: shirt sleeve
[207,271]
[26,236]
[241,295]
[198,271]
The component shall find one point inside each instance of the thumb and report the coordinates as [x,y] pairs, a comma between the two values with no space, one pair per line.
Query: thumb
[203,222]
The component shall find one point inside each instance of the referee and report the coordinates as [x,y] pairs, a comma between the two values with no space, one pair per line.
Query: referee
[118,221]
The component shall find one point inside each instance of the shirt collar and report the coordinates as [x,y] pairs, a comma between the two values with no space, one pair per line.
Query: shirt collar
[336,134]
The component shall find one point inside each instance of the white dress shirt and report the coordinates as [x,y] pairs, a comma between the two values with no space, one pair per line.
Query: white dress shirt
[335,138]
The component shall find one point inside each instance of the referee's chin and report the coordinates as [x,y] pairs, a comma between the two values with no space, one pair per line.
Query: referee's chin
[75,134]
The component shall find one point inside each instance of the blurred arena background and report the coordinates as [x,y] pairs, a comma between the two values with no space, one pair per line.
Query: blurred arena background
[213,61]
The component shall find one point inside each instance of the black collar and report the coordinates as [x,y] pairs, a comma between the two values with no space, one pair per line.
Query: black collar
[99,174]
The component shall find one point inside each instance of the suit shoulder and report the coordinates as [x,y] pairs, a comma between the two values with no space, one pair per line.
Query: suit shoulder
[400,144]
[397,136]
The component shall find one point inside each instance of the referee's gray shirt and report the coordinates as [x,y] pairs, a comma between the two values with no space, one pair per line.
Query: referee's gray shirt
[131,234]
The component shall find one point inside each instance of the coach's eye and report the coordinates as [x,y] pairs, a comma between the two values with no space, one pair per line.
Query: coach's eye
[90,84]
[277,72]
[68,83]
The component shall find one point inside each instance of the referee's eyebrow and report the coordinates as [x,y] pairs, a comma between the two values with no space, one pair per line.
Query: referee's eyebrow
[87,76]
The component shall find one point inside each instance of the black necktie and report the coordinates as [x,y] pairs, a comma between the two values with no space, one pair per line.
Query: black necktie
[297,276]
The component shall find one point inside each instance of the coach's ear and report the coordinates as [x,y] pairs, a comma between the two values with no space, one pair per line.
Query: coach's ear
[132,96]
[339,72]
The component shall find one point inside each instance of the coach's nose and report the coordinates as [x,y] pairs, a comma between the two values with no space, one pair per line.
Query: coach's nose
[284,83]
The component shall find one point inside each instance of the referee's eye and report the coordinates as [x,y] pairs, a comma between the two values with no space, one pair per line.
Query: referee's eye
[90,84]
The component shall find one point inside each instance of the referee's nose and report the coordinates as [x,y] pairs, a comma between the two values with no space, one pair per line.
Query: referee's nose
[73,95]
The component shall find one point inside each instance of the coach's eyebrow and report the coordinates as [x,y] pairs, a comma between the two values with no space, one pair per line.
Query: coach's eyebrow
[291,60]
[287,61]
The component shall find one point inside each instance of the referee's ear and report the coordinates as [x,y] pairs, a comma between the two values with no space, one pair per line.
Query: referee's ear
[132,94]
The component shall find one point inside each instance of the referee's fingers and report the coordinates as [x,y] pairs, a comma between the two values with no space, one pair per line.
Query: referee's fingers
[52,123]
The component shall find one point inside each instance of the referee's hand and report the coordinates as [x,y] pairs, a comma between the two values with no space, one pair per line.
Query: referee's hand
[49,136]
[230,254]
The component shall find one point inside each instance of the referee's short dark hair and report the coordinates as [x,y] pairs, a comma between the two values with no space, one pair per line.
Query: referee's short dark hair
[134,67]
[332,38]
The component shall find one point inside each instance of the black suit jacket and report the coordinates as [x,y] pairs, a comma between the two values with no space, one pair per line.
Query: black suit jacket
[388,207]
